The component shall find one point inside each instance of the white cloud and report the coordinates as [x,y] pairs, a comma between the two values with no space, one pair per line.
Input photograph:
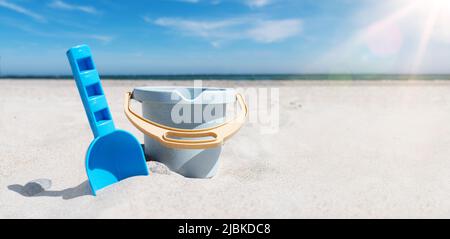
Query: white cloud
[258,3]
[218,31]
[58,4]
[250,3]
[22,10]
[212,2]
[274,31]
[189,1]
[197,28]
[101,38]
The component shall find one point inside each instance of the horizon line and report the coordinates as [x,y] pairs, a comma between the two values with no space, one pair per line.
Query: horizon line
[243,76]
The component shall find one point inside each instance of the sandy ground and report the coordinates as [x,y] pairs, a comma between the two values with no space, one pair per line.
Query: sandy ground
[343,150]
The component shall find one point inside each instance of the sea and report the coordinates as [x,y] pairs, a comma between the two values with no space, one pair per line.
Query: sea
[241,77]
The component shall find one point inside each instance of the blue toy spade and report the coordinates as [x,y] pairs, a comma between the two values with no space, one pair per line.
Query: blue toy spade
[114,155]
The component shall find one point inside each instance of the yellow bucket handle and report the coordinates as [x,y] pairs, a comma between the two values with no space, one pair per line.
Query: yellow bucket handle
[165,135]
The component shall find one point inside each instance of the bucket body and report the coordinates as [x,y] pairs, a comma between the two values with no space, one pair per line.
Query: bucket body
[185,108]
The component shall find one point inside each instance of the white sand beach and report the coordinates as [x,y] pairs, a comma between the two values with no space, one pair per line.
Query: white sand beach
[344,149]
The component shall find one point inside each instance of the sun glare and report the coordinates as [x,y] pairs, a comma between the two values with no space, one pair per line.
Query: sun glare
[425,20]
[436,24]
[401,34]
[441,3]
[437,7]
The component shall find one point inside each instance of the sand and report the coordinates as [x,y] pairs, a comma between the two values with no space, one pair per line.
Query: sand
[344,149]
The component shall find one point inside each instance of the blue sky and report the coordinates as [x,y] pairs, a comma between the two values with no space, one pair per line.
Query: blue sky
[228,36]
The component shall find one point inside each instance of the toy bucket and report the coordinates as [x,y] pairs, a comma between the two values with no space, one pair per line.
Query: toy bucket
[185,128]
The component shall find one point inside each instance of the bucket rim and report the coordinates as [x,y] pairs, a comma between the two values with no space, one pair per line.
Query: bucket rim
[190,95]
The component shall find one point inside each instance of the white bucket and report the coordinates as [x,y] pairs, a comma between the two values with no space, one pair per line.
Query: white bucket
[185,127]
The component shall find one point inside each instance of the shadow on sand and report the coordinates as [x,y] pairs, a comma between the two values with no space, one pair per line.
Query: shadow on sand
[40,187]
[35,189]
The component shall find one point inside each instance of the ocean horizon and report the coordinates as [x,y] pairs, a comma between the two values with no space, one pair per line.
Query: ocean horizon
[240,77]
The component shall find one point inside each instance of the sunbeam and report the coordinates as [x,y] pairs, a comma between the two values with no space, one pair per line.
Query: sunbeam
[400,30]
[433,9]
